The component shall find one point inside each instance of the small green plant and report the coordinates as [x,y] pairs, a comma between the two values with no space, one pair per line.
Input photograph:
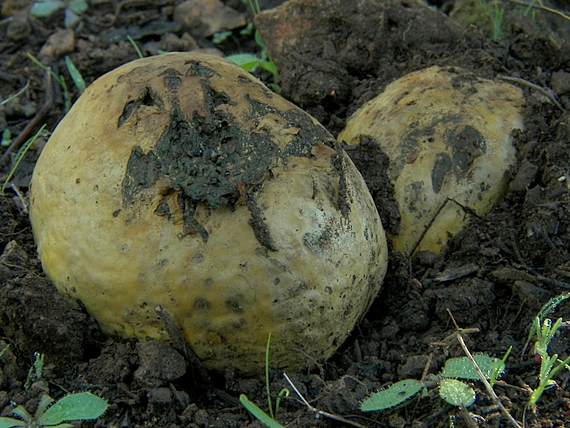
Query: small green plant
[73,407]
[72,10]
[268,420]
[543,331]
[4,350]
[6,138]
[250,62]
[19,156]
[135,46]
[36,370]
[497,15]
[259,414]
[453,391]
[73,72]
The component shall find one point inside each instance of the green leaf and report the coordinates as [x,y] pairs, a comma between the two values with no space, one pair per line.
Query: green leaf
[461,368]
[21,412]
[392,396]
[75,75]
[269,66]
[74,407]
[78,6]
[19,156]
[9,423]
[258,413]
[220,37]
[247,61]
[43,9]
[456,393]
[247,30]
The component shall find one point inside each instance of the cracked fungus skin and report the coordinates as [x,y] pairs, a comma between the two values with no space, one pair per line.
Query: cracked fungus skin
[447,135]
[180,180]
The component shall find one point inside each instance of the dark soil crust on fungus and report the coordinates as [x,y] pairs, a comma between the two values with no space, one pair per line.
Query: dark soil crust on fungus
[332,55]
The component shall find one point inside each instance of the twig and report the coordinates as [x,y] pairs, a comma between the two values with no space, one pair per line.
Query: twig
[16,94]
[320,412]
[540,6]
[19,140]
[488,386]
[547,92]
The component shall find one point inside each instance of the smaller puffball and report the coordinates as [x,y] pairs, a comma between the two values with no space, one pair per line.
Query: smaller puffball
[447,134]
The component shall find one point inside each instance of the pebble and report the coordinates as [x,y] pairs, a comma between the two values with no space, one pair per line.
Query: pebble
[159,364]
[203,18]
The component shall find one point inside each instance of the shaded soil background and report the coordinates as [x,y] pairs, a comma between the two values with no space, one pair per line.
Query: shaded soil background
[332,56]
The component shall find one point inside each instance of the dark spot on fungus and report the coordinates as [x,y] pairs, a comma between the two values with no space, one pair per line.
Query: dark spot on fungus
[202,304]
[233,304]
[209,160]
[163,209]
[198,258]
[146,98]
[441,167]
[196,68]
[466,146]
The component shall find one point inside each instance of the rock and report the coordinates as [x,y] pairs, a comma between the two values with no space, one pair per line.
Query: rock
[59,43]
[203,18]
[161,396]
[159,364]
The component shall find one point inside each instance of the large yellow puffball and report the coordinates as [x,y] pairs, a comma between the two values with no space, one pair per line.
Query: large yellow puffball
[181,181]
[447,134]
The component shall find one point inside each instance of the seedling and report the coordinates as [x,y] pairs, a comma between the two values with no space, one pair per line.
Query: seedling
[19,156]
[4,350]
[268,420]
[259,414]
[73,407]
[73,72]
[36,370]
[249,62]
[544,331]
[135,46]
[453,391]
[497,15]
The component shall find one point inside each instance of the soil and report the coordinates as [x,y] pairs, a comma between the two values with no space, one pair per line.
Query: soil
[332,57]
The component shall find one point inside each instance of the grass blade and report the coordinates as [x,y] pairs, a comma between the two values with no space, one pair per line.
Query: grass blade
[258,413]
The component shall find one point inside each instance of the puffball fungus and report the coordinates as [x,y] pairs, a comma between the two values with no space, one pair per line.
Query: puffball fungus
[447,136]
[182,181]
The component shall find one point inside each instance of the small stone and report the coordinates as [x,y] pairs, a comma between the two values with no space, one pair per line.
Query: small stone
[535,297]
[560,82]
[203,18]
[413,368]
[524,178]
[14,255]
[18,28]
[202,418]
[59,43]
[159,363]
[160,396]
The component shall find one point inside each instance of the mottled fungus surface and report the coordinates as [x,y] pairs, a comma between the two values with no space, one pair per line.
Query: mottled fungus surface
[181,181]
